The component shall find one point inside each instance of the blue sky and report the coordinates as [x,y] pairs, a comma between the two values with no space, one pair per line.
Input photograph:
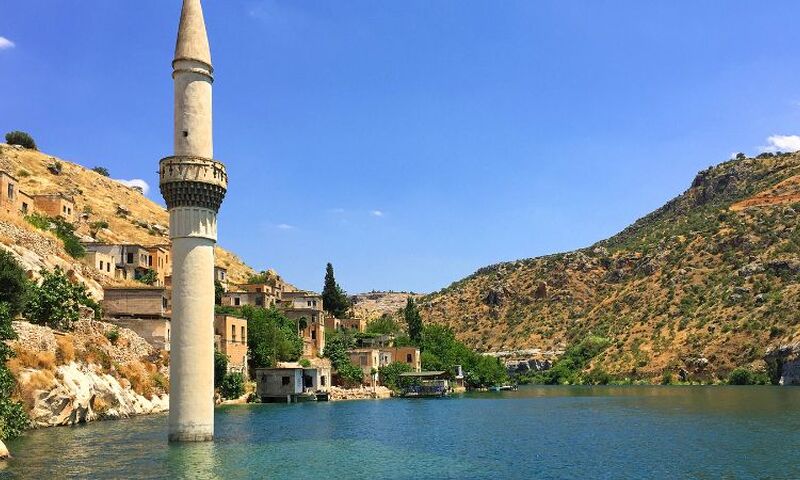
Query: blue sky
[412,142]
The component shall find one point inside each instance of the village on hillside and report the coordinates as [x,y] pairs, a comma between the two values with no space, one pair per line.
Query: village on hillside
[135,280]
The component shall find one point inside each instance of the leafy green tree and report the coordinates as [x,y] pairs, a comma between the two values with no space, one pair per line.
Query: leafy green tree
[13,283]
[13,419]
[232,386]
[744,376]
[385,325]
[57,302]
[389,375]
[219,292]
[569,368]
[271,337]
[62,229]
[413,320]
[336,346]
[102,171]
[20,138]
[220,367]
[334,298]
[149,277]
[485,371]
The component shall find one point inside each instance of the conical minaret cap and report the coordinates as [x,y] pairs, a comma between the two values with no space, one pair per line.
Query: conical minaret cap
[192,37]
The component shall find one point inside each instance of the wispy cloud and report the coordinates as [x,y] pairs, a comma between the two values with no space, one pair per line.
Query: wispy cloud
[6,43]
[284,226]
[376,213]
[136,183]
[782,143]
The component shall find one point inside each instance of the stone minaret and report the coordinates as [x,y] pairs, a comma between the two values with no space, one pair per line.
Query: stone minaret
[193,185]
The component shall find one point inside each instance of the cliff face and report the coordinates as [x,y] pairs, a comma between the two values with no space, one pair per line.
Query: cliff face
[77,377]
[709,281]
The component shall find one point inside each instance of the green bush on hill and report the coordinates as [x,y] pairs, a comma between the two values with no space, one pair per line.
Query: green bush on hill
[13,284]
[57,302]
[102,171]
[336,346]
[569,368]
[220,367]
[271,337]
[20,138]
[62,229]
[744,376]
[232,386]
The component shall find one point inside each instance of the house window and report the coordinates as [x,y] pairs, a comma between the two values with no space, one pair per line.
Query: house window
[284,381]
[150,261]
[24,207]
[244,335]
[237,301]
[314,303]
[313,334]
[11,191]
[409,358]
[130,258]
[260,301]
[322,380]
[101,264]
[164,302]
[63,209]
[233,333]
[258,289]
[309,303]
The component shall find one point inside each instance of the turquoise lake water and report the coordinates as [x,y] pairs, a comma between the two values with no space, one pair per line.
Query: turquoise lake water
[536,432]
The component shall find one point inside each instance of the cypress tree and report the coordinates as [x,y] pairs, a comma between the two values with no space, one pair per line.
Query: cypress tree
[334,299]
[413,320]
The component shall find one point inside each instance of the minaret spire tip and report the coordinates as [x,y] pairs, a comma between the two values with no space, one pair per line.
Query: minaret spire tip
[192,41]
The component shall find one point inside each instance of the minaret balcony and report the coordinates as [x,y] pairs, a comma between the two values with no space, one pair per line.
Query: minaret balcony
[188,181]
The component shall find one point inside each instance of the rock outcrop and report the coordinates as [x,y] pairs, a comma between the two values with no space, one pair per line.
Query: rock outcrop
[82,393]
[361,393]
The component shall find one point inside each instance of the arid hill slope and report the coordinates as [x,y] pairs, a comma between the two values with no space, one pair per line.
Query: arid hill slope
[103,196]
[708,282]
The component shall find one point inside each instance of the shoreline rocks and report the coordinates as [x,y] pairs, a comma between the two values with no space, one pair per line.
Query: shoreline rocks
[361,393]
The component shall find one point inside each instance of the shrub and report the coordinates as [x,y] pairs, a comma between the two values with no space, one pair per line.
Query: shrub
[62,229]
[20,138]
[149,277]
[102,171]
[390,374]
[13,284]
[666,378]
[232,386]
[13,419]
[95,227]
[305,363]
[220,367]
[113,335]
[271,337]
[744,376]
[57,302]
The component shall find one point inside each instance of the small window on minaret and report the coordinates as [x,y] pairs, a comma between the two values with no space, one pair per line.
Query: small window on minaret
[185,133]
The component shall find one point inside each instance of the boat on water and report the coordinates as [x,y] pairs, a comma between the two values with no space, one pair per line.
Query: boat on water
[503,388]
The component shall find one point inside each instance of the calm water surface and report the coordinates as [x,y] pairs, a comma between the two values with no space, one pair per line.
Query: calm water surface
[537,432]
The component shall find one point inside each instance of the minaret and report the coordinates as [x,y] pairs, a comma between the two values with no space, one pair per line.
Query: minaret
[193,185]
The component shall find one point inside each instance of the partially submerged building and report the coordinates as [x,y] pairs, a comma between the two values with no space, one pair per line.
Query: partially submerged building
[291,382]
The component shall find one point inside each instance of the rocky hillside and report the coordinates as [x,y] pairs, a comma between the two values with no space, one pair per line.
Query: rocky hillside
[131,217]
[87,374]
[372,305]
[708,282]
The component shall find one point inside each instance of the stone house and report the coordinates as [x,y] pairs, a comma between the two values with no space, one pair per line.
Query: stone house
[231,339]
[370,360]
[55,205]
[409,355]
[291,382]
[139,302]
[12,199]
[357,324]
[102,262]
[130,261]
[159,260]
[144,310]
[221,276]
[305,309]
